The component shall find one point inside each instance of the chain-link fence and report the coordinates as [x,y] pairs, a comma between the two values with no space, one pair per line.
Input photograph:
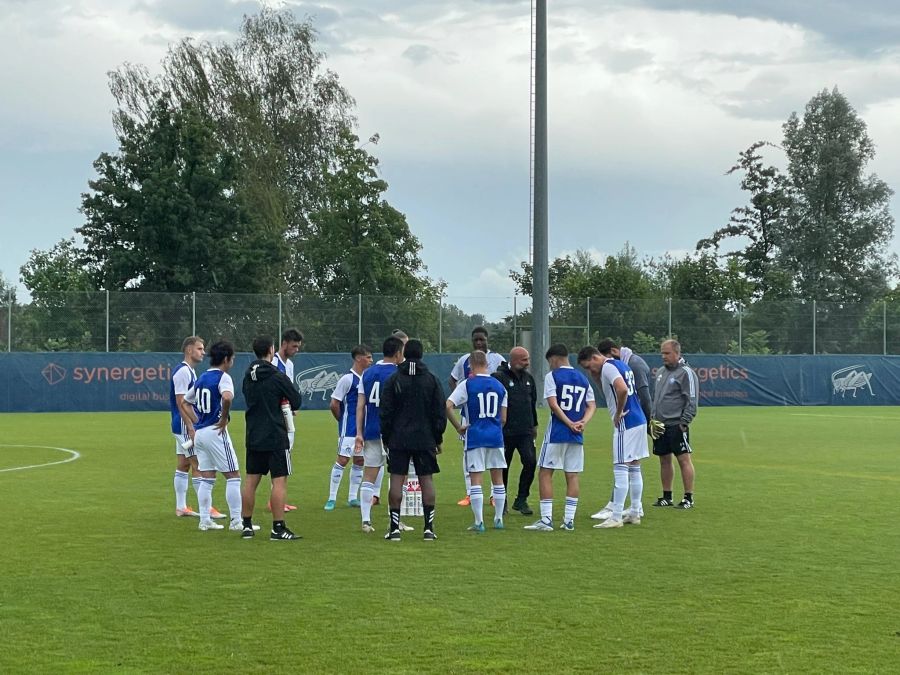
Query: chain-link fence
[137,321]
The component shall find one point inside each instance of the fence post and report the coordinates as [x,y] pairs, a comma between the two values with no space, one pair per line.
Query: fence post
[740,329]
[587,325]
[884,326]
[441,323]
[9,322]
[359,317]
[670,317]
[280,312]
[814,327]
[515,322]
[193,312]
[107,321]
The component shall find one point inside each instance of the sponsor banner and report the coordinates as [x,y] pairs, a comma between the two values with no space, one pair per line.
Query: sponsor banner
[58,382]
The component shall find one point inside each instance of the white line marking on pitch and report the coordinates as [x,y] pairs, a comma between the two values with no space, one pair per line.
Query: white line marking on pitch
[73,456]
[847,417]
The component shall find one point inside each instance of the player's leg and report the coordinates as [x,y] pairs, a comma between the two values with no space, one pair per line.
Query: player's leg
[337,473]
[373,466]
[476,494]
[356,476]
[426,465]
[636,490]
[376,498]
[182,471]
[499,492]
[205,444]
[248,500]
[527,455]
[573,465]
[290,449]
[467,500]
[686,464]
[548,461]
[398,466]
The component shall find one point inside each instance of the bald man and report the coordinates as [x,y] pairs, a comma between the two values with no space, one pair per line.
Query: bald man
[520,429]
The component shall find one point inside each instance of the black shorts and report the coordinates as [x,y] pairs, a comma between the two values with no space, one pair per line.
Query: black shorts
[277,463]
[674,441]
[425,461]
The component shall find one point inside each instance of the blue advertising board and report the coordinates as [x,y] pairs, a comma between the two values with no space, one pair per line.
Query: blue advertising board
[57,382]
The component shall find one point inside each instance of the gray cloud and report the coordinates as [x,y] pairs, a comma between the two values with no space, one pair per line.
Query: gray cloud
[199,15]
[420,54]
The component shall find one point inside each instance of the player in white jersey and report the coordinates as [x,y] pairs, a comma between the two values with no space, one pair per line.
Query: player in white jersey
[462,371]
[343,409]
[291,342]
[183,376]
[211,397]
[629,443]
[484,402]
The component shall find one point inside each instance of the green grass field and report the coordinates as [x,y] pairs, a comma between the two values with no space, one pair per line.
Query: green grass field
[786,565]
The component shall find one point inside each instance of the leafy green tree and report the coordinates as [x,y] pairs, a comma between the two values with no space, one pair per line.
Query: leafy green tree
[48,275]
[834,237]
[165,213]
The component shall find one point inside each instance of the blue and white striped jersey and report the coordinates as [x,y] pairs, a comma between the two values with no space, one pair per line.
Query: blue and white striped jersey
[573,392]
[370,386]
[482,397]
[346,392]
[183,378]
[206,396]
[611,371]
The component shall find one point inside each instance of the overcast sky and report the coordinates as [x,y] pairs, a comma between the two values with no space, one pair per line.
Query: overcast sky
[650,103]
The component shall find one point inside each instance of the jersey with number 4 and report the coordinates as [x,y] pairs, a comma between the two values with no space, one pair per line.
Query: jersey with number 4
[371,384]
[206,396]
[611,371]
[573,392]
[482,397]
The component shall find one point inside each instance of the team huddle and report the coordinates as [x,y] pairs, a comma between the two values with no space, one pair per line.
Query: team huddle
[392,416]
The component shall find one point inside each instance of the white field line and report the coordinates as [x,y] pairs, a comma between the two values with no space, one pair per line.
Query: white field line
[73,455]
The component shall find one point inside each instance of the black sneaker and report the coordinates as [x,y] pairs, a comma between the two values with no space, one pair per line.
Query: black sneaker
[393,535]
[248,532]
[283,535]
[685,504]
[429,536]
[662,501]
[524,509]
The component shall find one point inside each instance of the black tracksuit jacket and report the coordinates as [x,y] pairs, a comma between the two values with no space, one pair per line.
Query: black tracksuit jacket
[264,388]
[413,413]
[521,399]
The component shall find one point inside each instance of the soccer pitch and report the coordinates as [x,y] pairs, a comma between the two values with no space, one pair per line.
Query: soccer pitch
[785,565]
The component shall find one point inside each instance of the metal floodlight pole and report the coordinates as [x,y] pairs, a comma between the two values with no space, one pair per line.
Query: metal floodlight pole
[107,321]
[814,327]
[280,319]
[9,312]
[884,327]
[515,322]
[193,312]
[540,265]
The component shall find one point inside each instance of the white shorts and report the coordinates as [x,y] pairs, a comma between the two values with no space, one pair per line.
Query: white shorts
[629,445]
[481,459]
[568,457]
[346,445]
[373,453]
[182,438]
[215,451]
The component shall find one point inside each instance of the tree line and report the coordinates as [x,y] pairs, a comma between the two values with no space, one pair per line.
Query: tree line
[238,170]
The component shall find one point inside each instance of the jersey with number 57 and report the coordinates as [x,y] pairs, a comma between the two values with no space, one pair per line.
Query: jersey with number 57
[573,392]
[611,371]
[482,397]
[371,384]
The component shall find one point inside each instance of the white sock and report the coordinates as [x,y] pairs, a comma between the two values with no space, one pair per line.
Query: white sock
[499,492]
[337,472]
[620,474]
[636,488]
[181,488]
[378,480]
[204,496]
[466,475]
[356,474]
[571,507]
[196,482]
[477,498]
[366,492]
[233,497]
[547,511]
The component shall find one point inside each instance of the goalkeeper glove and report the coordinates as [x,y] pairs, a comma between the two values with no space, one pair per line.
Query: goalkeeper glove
[655,428]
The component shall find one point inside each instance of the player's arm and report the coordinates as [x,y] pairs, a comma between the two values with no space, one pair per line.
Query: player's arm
[558,413]
[621,391]
[360,417]
[181,383]
[338,396]
[504,405]
[288,390]
[226,389]
[387,408]
[186,410]
[689,395]
[459,397]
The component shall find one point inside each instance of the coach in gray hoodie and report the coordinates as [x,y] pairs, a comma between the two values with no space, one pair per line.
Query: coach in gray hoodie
[675,405]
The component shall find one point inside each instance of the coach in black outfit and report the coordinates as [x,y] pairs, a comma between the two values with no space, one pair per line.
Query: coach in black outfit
[521,422]
[413,418]
[268,447]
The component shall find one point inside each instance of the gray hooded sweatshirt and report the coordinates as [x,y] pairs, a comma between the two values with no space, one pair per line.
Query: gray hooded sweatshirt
[676,394]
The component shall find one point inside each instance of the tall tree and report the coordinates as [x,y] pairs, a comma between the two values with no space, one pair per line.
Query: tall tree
[49,274]
[835,234]
[166,213]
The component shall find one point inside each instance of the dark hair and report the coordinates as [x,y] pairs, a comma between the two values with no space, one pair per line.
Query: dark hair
[220,352]
[587,353]
[360,350]
[479,329]
[292,335]
[558,349]
[391,346]
[190,342]
[413,350]
[606,346]
[261,345]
